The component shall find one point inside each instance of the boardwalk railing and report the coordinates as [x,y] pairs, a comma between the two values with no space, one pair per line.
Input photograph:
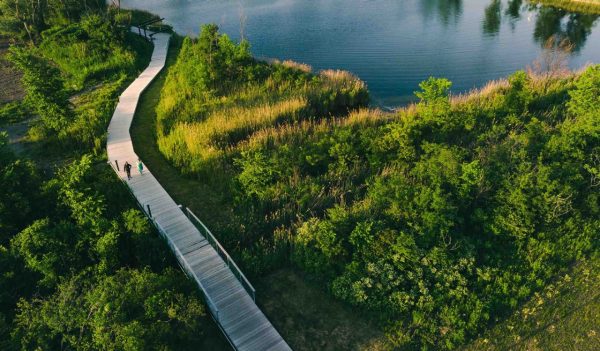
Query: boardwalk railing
[222,252]
[212,307]
[225,289]
[211,304]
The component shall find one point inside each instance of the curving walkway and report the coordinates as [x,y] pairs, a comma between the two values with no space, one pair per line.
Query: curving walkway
[235,311]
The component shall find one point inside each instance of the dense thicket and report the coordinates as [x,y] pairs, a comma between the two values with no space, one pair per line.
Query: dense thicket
[80,267]
[21,19]
[92,53]
[88,272]
[440,219]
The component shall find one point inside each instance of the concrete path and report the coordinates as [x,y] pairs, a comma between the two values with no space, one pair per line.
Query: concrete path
[235,311]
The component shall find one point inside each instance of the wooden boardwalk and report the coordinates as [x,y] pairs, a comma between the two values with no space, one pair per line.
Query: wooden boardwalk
[234,309]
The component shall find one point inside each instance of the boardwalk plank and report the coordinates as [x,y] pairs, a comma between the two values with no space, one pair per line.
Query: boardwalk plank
[241,320]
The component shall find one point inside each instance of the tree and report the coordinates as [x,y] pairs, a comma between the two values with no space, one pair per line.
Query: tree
[585,98]
[86,204]
[23,18]
[19,192]
[51,250]
[131,310]
[434,95]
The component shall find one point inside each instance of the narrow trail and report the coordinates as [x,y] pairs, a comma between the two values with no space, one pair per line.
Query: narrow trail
[228,294]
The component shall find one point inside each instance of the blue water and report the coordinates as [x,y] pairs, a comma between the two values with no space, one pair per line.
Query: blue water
[393,44]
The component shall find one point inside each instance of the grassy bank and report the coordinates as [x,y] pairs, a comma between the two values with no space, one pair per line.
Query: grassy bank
[439,219]
[289,302]
[582,6]
[565,315]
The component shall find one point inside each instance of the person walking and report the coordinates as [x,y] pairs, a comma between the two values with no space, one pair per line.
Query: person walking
[140,166]
[127,167]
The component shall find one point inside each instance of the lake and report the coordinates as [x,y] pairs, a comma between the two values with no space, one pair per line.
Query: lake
[393,44]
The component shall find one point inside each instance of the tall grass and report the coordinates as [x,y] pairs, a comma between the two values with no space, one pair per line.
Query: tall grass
[191,144]
[92,50]
[201,119]
[585,6]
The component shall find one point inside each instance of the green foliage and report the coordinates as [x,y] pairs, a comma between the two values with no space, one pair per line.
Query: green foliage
[80,268]
[48,249]
[257,173]
[22,18]
[317,247]
[92,114]
[217,98]
[562,316]
[519,94]
[84,50]
[26,19]
[85,233]
[44,88]
[585,98]
[440,220]
[13,112]
[130,310]
[222,59]
[17,202]
[434,94]
[86,205]
[16,280]
[4,333]
[88,51]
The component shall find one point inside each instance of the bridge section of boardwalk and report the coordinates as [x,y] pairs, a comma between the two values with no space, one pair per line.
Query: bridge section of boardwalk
[201,256]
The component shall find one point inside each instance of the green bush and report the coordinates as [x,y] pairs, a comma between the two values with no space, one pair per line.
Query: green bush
[13,112]
[45,94]
[440,219]
[80,267]
[88,51]
[216,97]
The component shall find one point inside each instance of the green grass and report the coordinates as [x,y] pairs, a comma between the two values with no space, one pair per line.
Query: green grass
[13,112]
[143,132]
[306,316]
[86,56]
[564,316]
[309,319]
[93,99]
[208,107]
[586,6]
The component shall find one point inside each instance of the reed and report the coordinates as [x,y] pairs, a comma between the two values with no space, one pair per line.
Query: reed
[297,65]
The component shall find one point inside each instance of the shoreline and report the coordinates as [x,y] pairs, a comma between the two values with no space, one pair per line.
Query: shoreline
[392,97]
[591,6]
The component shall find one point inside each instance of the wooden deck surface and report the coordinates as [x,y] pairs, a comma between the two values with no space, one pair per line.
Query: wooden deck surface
[237,314]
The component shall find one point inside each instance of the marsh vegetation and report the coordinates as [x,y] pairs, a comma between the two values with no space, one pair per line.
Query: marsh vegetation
[439,219]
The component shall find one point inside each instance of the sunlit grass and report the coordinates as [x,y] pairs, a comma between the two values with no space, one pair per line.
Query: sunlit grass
[565,315]
[200,121]
[586,6]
